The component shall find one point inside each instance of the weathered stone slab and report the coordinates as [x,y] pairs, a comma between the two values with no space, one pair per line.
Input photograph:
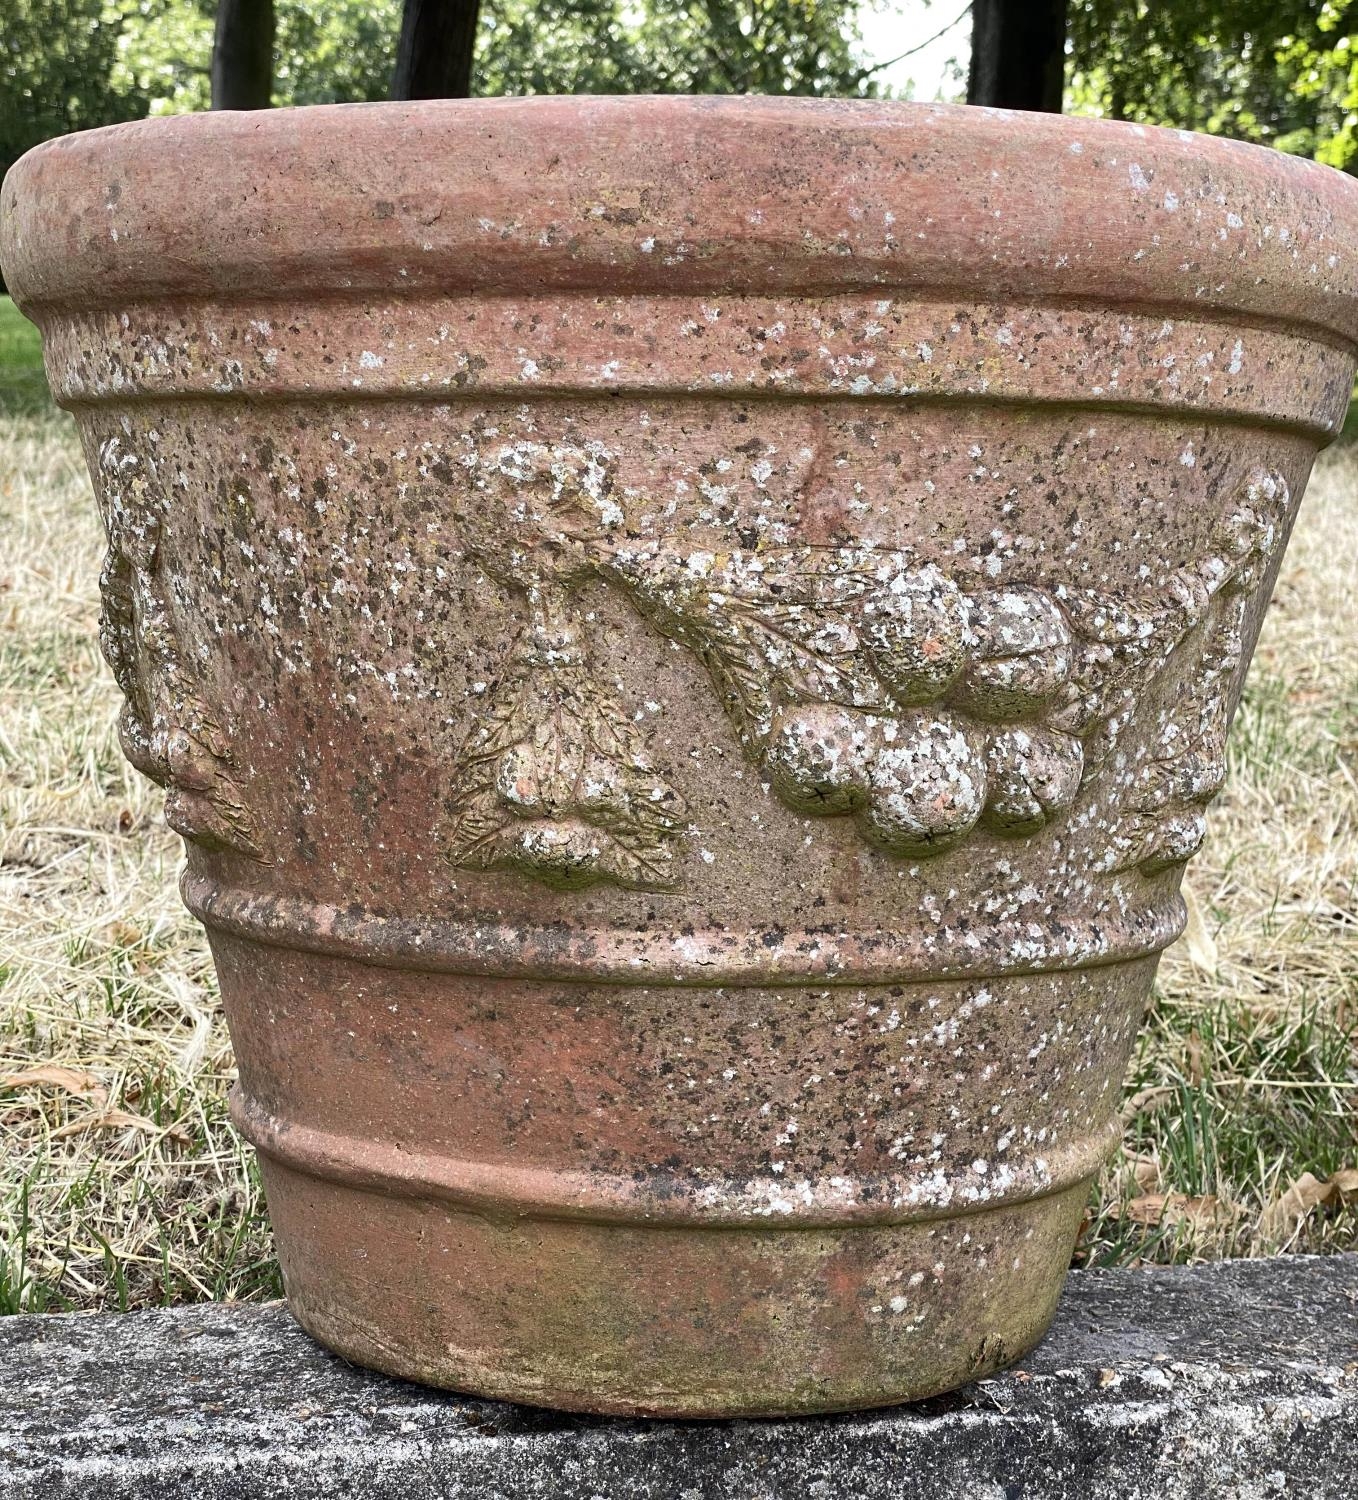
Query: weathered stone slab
[1232,1381]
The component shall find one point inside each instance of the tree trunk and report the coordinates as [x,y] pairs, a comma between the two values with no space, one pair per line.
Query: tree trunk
[434,56]
[242,55]
[1018,54]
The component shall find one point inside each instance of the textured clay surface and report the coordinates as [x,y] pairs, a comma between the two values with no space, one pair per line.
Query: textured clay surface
[690,641]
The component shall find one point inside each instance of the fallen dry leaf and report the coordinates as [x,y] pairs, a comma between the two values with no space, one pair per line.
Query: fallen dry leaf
[1153,1097]
[1147,1209]
[52,1075]
[121,934]
[1174,1208]
[1283,1216]
[1145,1170]
[1345,1184]
[120,1119]
[1196,1071]
[1198,941]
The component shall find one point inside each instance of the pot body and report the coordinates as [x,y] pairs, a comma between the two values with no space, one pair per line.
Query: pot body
[689,642]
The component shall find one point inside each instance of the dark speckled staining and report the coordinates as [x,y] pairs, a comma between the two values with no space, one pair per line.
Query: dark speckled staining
[166,729]
[860,679]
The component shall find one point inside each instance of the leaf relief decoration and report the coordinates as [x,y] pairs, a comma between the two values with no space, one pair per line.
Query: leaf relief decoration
[554,781]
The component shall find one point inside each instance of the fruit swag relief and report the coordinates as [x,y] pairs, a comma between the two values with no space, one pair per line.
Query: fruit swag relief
[861,679]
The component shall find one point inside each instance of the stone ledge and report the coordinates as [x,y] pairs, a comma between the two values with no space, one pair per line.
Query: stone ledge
[1230,1381]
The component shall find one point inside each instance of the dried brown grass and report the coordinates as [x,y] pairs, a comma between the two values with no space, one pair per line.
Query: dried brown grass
[123,1183]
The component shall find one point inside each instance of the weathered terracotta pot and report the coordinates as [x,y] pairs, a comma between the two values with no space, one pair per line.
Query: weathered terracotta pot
[689,641]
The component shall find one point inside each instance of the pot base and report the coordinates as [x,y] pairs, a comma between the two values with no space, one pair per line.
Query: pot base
[635,1320]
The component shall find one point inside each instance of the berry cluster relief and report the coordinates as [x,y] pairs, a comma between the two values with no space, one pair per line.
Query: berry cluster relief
[861,680]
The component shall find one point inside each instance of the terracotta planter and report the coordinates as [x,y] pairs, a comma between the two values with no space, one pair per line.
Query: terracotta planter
[690,641]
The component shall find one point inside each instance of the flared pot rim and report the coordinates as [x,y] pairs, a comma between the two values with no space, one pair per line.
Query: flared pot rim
[672,194]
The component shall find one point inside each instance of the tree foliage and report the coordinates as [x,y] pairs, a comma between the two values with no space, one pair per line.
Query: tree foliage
[1283,72]
[1279,72]
[669,47]
[58,61]
[749,47]
[325,51]
[139,56]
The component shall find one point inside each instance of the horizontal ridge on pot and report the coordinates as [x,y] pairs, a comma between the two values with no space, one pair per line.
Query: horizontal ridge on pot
[690,642]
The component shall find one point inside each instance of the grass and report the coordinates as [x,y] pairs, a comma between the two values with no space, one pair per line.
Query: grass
[23,386]
[122,1183]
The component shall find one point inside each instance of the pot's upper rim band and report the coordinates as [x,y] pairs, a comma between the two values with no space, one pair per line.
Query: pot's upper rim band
[681,195]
